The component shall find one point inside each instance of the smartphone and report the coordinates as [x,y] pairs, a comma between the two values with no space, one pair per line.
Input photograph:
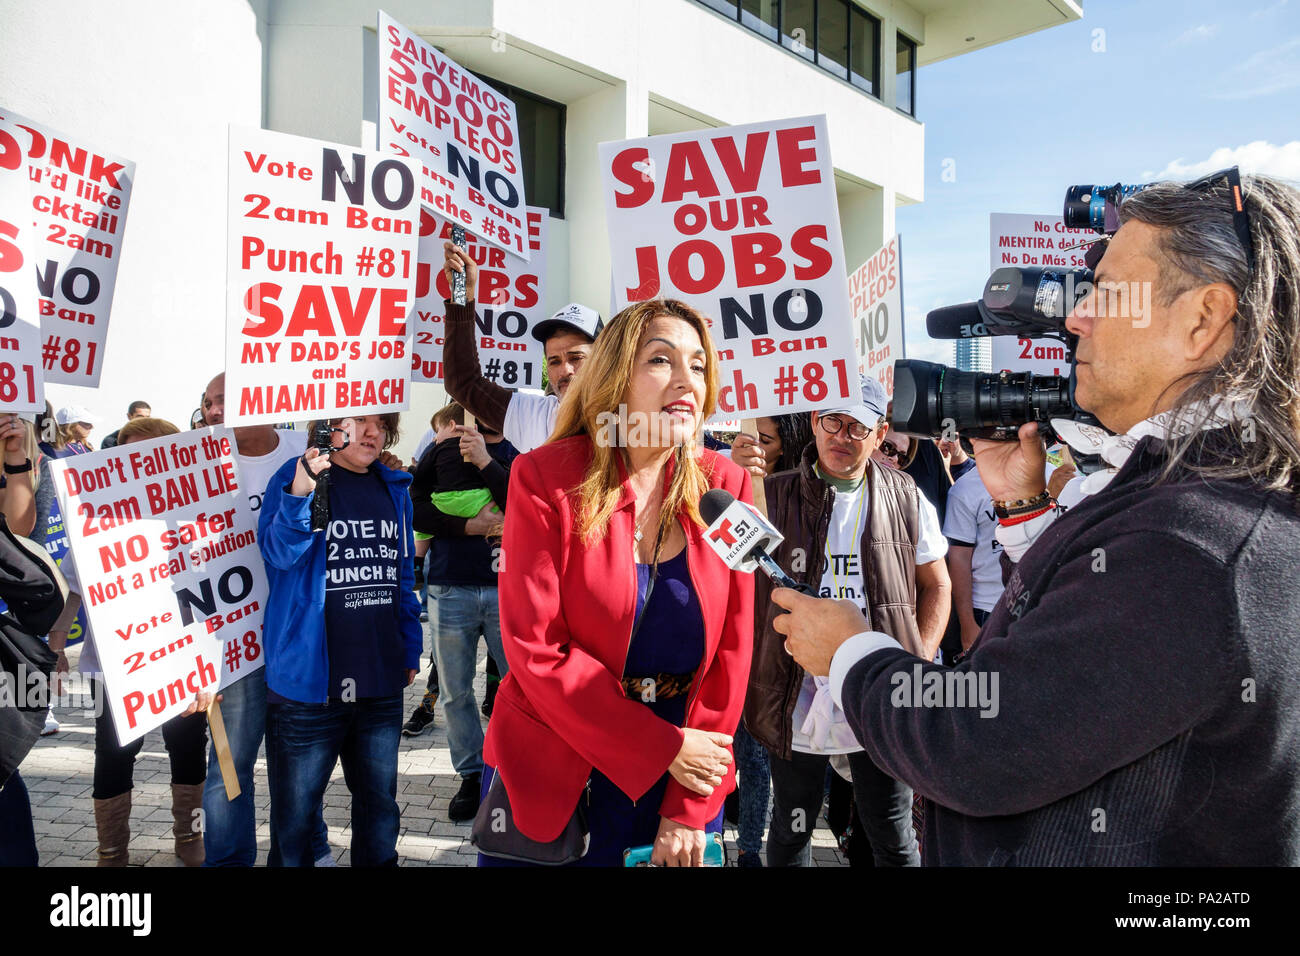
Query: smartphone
[714,854]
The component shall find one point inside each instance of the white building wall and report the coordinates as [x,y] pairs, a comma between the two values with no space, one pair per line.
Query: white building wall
[159,80]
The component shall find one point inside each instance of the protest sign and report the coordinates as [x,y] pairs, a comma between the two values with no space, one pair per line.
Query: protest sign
[463,133]
[509,302]
[742,223]
[876,294]
[22,383]
[172,579]
[320,279]
[79,198]
[1023,240]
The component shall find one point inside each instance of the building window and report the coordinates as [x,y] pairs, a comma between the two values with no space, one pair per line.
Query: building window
[905,96]
[541,145]
[864,51]
[837,35]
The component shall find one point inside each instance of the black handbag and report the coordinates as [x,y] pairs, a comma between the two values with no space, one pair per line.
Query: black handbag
[496,835]
[34,591]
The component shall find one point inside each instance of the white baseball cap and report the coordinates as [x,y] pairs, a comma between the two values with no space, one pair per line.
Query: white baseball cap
[574,316]
[75,413]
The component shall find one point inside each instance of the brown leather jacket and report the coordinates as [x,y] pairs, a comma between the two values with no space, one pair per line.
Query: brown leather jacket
[799,505]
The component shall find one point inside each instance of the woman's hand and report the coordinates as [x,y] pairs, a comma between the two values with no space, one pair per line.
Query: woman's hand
[677,844]
[702,762]
[302,483]
[747,452]
[456,259]
[13,433]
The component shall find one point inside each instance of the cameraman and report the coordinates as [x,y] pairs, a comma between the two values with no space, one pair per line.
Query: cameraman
[1143,656]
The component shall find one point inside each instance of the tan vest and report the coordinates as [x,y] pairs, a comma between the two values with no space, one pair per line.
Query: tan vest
[799,505]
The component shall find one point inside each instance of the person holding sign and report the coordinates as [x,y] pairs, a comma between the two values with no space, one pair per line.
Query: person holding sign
[185,737]
[526,420]
[628,639]
[342,637]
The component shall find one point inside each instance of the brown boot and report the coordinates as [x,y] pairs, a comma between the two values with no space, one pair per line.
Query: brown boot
[113,824]
[187,804]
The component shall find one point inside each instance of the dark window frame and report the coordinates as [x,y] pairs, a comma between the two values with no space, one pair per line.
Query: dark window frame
[514,93]
[911,44]
[876,24]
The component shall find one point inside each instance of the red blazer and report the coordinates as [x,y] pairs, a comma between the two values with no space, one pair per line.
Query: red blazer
[566,620]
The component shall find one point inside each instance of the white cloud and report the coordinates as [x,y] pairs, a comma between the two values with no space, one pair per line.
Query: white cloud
[1257,157]
[1202,32]
[1268,71]
[1265,11]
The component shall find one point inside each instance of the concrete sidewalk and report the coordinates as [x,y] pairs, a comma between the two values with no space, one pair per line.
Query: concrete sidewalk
[59,774]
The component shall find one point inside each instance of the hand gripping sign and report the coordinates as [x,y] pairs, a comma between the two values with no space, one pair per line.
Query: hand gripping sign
[742,222]
[320,279]
[876,294]
[172,578]
[78,202]
[22,383]
[463,133]
[510,301]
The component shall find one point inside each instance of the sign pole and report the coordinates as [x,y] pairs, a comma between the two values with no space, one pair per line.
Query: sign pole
[222,746]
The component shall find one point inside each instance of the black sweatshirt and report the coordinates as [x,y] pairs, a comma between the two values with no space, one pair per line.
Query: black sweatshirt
[1147,653]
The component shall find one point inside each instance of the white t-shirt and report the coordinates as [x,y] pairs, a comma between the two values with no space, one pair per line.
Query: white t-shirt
[971,521]
[256,472]
[820,727]
[530,419]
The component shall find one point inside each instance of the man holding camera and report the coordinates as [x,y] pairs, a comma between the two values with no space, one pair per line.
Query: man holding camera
[857,530]
[342,636]
[1144,652]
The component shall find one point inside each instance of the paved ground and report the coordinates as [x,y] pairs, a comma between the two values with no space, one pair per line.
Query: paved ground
[58,772]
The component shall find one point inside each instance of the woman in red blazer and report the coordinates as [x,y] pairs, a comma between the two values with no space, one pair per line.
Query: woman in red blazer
[638,728]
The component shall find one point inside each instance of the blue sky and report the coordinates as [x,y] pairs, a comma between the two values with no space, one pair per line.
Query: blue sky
[1136,90]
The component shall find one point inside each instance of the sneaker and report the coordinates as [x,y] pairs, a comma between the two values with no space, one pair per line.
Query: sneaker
[51,725]
[421,720]
[464,805]
[424,617]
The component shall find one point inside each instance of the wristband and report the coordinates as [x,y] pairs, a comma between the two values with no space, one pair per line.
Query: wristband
[1021,519]
[25,467]
[1022,506]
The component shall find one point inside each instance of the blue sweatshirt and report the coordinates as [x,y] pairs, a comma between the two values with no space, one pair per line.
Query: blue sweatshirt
[293,629]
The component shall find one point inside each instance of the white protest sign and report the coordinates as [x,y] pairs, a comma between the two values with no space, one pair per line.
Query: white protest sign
[320,279]
[464,134]
[742,223]
[22,384]
[1016,239]
[79,197]
[876,294]
[172,578]
[509,302]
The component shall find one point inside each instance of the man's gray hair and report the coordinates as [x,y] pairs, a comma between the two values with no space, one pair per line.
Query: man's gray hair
[1198,245]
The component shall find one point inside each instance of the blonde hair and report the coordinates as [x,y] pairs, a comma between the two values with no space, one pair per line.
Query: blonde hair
[601,389]
[142,429]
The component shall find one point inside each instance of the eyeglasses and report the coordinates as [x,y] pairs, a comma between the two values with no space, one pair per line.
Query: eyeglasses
[1240,218]
[831,425]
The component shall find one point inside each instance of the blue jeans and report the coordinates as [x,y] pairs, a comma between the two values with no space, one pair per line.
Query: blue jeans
[230,826]
[460,613]
[755,790]
[305,741]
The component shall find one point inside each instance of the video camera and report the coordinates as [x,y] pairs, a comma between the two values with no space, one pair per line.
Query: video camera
[942,402]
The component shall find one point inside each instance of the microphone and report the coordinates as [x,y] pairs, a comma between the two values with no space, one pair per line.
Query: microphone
[966,321]
[741,537]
